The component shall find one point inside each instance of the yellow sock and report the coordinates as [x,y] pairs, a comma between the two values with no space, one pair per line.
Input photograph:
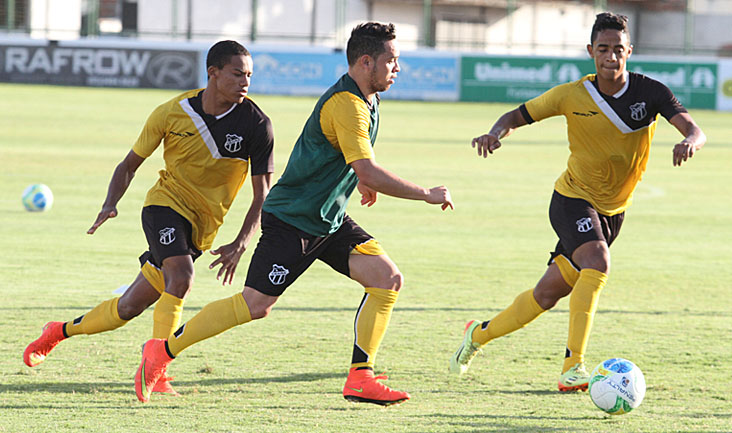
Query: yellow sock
[582,306]
[213,319]
[103,317]
[370,325]
[519,314]
[166,316]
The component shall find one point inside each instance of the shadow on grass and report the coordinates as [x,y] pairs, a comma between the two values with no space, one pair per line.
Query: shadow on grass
[127,387]
[482,422]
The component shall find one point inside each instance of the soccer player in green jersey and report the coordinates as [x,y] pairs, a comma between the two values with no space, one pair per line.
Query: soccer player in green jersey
[611,119]
[211,139]
[304,219]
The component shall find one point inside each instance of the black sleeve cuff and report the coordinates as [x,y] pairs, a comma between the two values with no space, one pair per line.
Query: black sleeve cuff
[524,112]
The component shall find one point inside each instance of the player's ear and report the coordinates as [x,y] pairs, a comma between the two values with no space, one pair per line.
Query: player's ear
[630,49]
[212,71]
[366,61]
[589,49]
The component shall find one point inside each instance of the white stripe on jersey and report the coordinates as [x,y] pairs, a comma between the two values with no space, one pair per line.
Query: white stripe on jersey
[603,105]
[202,129]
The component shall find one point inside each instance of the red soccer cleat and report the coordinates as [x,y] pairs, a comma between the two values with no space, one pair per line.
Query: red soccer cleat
[363,387]
[35,353]
[163,386]
[154,364]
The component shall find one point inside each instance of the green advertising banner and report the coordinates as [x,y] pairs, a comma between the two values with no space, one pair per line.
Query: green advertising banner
[693,83]
[517,79]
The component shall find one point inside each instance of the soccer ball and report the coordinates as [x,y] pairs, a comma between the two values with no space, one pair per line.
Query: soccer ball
[617,386]
[37,198]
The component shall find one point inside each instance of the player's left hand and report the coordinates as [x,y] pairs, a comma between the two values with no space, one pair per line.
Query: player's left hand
[440,195]
[229,256]
[368,195]
[682,152]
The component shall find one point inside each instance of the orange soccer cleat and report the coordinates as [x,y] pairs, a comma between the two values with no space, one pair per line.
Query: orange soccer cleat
[153,367]
[163,386]
[363,387]
[35,353]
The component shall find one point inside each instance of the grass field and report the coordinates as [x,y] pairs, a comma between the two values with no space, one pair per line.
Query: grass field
[666,306]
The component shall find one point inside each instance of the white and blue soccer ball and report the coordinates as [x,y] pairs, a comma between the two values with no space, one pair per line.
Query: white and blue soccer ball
[617,386]
[37,198]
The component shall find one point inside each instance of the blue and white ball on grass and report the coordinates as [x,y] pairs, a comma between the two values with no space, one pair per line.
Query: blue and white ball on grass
[37,198]
[617,386]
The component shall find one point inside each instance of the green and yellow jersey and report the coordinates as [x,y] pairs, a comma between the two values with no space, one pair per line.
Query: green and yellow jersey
[206,158]
[609,135]
[314,189]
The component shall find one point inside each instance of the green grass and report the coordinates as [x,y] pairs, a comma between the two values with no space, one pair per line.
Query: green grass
[666,306]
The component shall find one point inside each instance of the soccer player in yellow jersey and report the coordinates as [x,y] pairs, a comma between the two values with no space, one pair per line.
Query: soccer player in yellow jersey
[211,138]
[611,118]
[304,219]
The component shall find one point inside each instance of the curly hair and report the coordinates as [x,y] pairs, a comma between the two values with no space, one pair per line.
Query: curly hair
[609,21]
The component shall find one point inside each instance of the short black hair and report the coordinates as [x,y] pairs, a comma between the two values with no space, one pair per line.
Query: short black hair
[220,53]
[368,39]
[609,21]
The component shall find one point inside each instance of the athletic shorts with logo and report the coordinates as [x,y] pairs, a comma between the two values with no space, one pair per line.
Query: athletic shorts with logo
[168,234]
[284,252]
[575,221]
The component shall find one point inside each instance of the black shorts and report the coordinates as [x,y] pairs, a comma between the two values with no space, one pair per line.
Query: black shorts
[284,252]
[575,221]
[168,234]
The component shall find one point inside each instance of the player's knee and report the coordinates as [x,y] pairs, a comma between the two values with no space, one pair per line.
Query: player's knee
[397,281]
[593,255]
[259,311]
[127,310]
[599,263]
[547,299]
[179,285]
[391,279]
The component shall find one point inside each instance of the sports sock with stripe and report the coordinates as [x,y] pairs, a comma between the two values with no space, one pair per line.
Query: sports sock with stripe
[103,317]
[370,325]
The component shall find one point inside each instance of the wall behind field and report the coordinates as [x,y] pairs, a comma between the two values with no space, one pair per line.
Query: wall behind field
[523,27]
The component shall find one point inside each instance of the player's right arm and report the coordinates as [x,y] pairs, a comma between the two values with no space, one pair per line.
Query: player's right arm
[503,127]
[150,137]
[121,179]
[344,120]
[379,179]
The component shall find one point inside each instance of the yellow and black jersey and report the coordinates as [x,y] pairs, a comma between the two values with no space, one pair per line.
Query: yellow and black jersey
[206,158]
[609,135]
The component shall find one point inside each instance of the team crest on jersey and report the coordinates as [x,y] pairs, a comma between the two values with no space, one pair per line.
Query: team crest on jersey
[167,235]
[638,111]
[584,225]
[233,143]
[278,274]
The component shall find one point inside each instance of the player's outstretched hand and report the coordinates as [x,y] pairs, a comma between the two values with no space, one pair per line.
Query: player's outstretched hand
[368,195]
[440,195]
[229,256]
[485,144]
[105,214]
[682,152]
